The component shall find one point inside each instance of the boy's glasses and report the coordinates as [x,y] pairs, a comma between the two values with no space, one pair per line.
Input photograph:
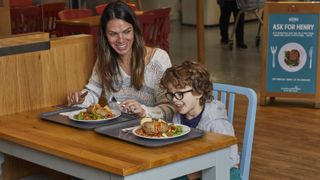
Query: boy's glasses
[177,95]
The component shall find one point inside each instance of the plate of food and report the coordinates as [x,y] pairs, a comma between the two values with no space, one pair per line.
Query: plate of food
[159,129]
[292,57]
[94,113]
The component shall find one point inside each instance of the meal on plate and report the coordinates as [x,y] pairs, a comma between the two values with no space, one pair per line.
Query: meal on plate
[158,128]
[95,112]
[292,57]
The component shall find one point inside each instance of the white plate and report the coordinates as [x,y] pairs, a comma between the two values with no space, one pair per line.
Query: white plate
[116,114]
[289,47]
[185,130]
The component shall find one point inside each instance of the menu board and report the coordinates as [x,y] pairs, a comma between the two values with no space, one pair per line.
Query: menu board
[291,64]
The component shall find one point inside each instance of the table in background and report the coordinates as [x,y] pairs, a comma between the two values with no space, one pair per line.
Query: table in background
[90,25]
[87,25]
[88,155]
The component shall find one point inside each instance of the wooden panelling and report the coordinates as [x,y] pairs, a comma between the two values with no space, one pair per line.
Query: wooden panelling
[44,78]
[23,43]
[21,39]
[5,18]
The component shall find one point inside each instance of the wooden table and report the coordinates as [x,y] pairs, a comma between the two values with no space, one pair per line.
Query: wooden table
[88,155]
[87,25]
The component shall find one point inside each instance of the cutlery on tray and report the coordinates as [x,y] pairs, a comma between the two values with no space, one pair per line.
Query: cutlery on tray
[273,51]
[113,99]
[129,129]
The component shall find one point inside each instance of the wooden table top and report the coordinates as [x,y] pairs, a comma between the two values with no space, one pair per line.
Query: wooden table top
[101,152]
[89,21]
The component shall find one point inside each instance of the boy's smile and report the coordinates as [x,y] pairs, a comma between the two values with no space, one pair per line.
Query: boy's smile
[188,102]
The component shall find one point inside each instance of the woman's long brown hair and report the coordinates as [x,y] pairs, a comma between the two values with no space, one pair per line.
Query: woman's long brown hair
[108,58]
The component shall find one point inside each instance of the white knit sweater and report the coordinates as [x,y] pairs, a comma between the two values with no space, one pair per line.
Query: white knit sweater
[150,95]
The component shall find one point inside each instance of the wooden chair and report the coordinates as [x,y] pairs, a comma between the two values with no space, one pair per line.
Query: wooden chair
[147,26]
[20,3]
[74,13]
[50,14]
[159,35]
[227,94]
[26,19]
[100,8]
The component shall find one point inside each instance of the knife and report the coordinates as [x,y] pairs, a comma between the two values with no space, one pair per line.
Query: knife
[129,129]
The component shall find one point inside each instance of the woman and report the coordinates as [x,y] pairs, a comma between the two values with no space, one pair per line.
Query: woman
[126,70]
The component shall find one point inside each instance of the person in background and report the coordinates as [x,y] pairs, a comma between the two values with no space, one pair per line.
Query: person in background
[189,90]
[226,8]
[126,70]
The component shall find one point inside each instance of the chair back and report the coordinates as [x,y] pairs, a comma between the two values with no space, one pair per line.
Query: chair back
[50,15]
[74,13]
[100,8]
[25,19]
[227,94]
[159,34]
[146,22]
[20,3]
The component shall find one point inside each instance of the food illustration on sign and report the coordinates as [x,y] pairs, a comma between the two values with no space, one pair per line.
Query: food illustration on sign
[292,57]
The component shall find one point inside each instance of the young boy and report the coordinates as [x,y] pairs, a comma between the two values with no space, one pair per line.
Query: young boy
[189,90]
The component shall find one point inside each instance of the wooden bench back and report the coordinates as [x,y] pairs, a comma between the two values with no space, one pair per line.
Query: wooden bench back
[40,79]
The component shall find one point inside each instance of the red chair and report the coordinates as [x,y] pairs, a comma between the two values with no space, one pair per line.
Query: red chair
[25,19]
[50,14]
[100,8]
[20,3]
[146,22]
[158,33]
[74,13]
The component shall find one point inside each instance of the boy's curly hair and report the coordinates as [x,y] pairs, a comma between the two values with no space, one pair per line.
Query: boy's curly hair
[191,74]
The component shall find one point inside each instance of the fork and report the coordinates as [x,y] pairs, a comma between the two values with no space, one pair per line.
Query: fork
[273,51]
[121,108]
[113,99]
[310,57]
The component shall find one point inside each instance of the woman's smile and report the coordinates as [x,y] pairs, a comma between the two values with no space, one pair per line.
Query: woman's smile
[120,36]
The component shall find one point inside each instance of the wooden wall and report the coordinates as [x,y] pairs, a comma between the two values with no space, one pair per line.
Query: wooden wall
[5,18]
[44,78]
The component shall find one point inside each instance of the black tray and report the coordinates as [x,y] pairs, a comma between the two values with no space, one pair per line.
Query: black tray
[115,132]
[54,116]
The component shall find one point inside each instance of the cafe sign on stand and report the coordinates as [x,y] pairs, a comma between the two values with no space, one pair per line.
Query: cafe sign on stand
[290,55]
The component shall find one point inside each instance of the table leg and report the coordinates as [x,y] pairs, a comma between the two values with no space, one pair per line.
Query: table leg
[221,170]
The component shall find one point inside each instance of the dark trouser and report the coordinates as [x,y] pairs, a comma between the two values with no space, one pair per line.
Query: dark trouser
[226,9]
